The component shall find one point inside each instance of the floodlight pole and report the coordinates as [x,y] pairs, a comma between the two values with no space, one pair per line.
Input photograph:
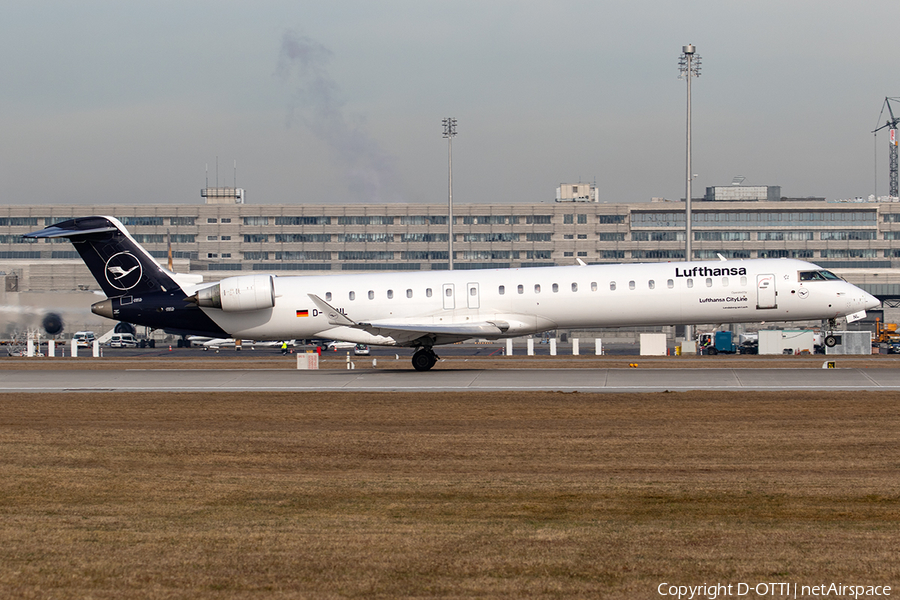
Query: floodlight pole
[688,68]
[449,133]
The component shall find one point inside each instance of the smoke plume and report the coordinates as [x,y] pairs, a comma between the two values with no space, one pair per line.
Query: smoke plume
[315,100]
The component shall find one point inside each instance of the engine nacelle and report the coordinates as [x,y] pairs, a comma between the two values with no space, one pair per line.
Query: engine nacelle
[238,294]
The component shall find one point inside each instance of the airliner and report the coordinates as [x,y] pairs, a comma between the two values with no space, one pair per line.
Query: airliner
[425,309]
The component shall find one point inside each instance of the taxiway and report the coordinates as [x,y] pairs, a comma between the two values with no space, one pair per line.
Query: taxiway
[455,379]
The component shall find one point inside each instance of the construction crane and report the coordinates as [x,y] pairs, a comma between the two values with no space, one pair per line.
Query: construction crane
[892,125]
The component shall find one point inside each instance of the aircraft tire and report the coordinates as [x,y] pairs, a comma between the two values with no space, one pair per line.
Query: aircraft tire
[423,360]
[830,341]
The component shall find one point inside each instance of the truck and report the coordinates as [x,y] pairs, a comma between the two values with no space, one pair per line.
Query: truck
[718,342]
[886,337]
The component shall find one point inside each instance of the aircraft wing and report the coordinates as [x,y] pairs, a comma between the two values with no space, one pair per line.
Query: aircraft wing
[408,331]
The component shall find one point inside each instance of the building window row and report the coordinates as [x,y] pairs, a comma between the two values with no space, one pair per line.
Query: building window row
[779,218]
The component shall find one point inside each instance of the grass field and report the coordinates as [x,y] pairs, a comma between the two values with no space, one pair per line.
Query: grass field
[495,495]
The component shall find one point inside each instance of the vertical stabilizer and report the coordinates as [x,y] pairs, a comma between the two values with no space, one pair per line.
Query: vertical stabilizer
[118,263]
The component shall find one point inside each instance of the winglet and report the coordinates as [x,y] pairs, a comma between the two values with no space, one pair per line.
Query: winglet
[334,316]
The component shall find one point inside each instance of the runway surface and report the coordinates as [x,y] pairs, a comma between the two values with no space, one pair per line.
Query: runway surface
[458,379]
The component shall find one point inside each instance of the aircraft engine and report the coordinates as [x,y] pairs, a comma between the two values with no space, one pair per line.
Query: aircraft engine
[52,323]
[123,327]
[241,293]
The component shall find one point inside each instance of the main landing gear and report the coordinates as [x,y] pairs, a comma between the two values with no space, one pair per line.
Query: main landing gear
[830,340]
[424,359]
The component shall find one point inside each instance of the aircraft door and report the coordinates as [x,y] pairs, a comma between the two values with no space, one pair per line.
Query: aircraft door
[765,291]
[449,296]
[472,300]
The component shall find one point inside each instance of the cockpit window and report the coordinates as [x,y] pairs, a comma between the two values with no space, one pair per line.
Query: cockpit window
[818,276]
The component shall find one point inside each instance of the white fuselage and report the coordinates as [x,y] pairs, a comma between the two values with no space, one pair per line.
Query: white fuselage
[531,300]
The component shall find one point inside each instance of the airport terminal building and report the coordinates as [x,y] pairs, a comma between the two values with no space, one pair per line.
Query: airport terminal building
[221,238]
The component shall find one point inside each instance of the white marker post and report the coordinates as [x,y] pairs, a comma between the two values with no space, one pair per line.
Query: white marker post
[74,352]
[552,346]
[509,347]
[51,348]
[598,347]
[530,346]
[575,348]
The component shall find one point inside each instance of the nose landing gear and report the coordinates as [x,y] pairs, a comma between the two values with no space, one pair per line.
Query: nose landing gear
[830,339]
[424,359]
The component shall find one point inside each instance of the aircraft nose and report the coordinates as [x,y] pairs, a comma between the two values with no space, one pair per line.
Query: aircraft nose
[870,301]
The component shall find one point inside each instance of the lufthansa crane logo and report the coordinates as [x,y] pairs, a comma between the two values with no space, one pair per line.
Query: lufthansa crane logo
[123,271]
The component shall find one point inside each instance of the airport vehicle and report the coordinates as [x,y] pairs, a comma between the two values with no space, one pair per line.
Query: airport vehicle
[885,333]
[336,345]
[720,342]
[361,350]
[123,340]
[424,309]
[83,339]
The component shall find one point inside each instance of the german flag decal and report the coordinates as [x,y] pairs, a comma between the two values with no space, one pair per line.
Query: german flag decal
[302,313]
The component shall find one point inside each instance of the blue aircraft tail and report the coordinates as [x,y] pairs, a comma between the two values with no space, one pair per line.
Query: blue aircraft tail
[138,289]
[118,263]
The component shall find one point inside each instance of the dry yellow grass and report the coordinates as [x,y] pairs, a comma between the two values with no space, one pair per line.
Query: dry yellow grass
[366,495]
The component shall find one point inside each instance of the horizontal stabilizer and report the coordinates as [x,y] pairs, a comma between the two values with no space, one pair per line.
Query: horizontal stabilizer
[57,232]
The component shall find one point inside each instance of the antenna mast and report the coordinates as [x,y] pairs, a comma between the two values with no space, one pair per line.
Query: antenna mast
[891,123]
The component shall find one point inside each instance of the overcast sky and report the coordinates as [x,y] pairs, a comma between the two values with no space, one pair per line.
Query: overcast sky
[341,101]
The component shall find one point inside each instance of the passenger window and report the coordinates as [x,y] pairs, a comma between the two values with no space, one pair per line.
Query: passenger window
[327,296]
[448,292]
[670,284]
[724,282]
[409,293]
[371,295]
[521,289]
[352,296]
[574,287]
[743,281]
[631,285]
[537,288]
[428,292]
[612,286]
[593,286]
[501,290]
[390,294]
[709,282]
[652,284]
[690,282]
[555,288]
